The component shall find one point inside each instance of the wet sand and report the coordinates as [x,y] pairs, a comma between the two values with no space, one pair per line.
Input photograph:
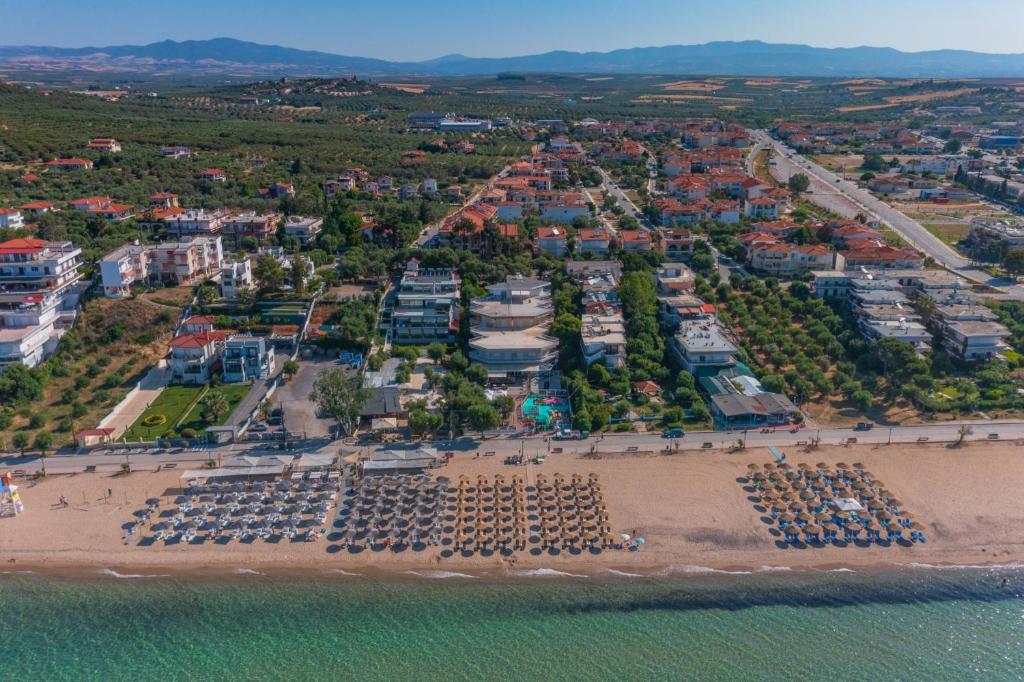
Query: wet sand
[691,509]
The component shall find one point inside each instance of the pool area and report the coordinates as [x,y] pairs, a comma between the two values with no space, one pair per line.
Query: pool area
[546,411]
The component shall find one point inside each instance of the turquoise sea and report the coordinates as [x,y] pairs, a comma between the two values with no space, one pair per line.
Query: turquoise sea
[912,625]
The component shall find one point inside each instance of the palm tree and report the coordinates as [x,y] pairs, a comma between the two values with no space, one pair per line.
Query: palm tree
[290,369]
[215,405]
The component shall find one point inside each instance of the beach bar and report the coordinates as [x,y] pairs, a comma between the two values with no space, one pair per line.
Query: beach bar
[388,461]
[247,473]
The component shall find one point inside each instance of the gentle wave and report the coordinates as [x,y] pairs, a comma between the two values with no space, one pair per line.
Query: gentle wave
[114,574]
[439,575]
[840,570]
[774,569]
[338,571]
[246,571]
[963,566]
[698,569]
[624,574]
[17,572]
[548,573]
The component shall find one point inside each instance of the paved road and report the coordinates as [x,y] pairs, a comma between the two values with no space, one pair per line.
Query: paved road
[624,201]
[847,199]
[256,394]
[945,432]
[430,231]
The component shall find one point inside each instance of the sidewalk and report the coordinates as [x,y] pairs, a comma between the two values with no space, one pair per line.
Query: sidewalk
[138,399]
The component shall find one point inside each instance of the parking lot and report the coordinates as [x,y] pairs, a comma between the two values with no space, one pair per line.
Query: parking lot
[299,410]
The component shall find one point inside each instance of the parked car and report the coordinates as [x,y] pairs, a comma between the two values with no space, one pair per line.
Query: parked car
[673,433]
[864,426]
[259,426]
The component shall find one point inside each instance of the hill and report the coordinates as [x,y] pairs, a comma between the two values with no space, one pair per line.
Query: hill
[744,58]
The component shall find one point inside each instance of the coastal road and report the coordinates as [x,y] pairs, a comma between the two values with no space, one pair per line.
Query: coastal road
[944,432]
[845,198]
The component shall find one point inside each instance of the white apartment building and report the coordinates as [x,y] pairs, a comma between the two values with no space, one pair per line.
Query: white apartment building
[123,267]
[303,229]
[603,339]
[509,329]
[11,218]
[425,307]
[236,276]
[195,221]
[702,343]
[179,263]
[38,297]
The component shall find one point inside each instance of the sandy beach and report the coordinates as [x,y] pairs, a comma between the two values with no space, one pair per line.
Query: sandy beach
[692,510]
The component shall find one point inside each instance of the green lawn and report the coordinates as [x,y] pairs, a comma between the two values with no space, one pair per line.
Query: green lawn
[233,392]
[172,403]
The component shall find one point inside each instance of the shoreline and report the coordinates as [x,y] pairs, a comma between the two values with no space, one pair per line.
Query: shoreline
[494,574]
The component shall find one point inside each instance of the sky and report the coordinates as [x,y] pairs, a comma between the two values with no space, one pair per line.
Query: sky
[409,30]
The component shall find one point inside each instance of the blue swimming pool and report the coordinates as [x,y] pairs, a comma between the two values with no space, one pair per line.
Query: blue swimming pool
[547,410]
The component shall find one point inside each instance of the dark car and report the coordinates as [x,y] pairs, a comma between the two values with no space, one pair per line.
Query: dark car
[673,433]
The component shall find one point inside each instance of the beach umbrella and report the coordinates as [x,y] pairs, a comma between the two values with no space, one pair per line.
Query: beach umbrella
[916,526]
[822,516]
[804,517]
[787,517]
[895,503]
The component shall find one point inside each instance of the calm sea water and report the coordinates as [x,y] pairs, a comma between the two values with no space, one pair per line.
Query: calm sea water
[920,625]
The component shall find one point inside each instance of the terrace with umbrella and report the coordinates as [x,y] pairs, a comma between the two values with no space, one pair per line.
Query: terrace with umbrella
[822,504]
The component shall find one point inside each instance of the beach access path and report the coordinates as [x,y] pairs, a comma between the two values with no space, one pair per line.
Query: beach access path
[135,403]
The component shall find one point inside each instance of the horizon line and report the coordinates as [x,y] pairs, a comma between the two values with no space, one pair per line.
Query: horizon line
[513,56]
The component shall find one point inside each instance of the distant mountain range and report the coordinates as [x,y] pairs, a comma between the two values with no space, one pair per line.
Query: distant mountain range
[745,58]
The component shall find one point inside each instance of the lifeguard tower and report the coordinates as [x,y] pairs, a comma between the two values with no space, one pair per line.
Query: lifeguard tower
[10,501]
